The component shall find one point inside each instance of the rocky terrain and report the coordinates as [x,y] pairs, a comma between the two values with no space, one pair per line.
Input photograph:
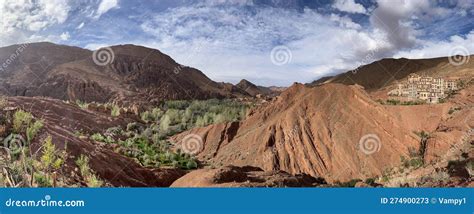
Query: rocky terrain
[79,123]
[233,176]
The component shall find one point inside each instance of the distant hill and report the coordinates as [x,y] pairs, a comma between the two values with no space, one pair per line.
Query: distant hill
[384,72]
[254,90]
[136,74]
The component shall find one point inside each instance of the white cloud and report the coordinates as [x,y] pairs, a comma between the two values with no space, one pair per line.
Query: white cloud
[65,36]
[20,19]
[349,6]
[399,23]
[430,49]
[467,5]
[105,6]
[232,39]
[228,44]
[80,26]
[228,2]
[32,15]
[344,21]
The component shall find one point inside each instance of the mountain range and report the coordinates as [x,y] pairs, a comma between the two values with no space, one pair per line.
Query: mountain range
[130,74]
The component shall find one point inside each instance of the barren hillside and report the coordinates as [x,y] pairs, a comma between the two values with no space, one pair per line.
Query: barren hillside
[317,131]
[129,74]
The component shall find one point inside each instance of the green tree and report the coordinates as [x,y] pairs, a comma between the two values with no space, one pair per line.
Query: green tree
[165,123]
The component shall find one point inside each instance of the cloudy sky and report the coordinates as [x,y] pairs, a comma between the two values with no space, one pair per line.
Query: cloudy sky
[269,42]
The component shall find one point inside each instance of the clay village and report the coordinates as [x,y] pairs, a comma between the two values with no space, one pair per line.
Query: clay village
[424,88]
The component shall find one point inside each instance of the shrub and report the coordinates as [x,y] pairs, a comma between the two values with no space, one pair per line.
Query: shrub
[404,162]
[452,110]
[470,167]
[87,173]
[147,133]
[3,102]
[423,143]
[50,162]
[156,114]
[148,145]
[393,102]
[21,119]
[33,129]
[183,115]
[200,122]
[98,137]
[133,127]
[416,162]
[28,170]
[398,102]
[165,123]
[174,116]
[50,158]
[146,116]
[191,164]
[177,104]
[115,112]
[113,131]
[370,181]
[82,104]
[154,153]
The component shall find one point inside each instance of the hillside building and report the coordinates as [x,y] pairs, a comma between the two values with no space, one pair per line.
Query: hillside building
[424,88]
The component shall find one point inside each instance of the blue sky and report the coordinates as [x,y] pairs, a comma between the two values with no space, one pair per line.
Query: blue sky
[269,42]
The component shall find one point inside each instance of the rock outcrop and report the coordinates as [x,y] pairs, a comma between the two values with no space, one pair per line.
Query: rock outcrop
[232,176]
